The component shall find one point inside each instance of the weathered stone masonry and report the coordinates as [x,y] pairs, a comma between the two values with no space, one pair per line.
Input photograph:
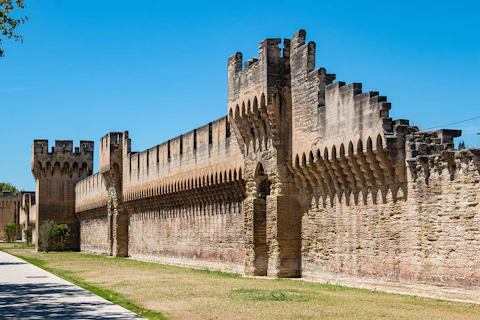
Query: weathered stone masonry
[305,177]
[56,174]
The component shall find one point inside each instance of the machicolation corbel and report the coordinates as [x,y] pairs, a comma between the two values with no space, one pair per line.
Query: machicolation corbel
[449,158]
[476,157]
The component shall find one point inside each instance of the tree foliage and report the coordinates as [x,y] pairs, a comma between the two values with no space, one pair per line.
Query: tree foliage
[8,24]
[10,231]
[28,236]
[46,231]
[61,233]
[7,186]
[53,236]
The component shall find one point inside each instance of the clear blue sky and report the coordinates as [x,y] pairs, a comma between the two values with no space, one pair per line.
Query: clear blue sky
[159,68]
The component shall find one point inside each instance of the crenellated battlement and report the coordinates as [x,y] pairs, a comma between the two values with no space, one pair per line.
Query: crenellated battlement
[326,113]
[253,80]
[62,160]
[210,150]
[433,151]
[90,193]
[40,146]
[111,151]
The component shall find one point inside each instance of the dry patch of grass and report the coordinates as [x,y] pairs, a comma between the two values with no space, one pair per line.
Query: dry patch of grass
[183,293]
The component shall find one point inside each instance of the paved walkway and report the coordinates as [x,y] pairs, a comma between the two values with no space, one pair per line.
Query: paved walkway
[28,292]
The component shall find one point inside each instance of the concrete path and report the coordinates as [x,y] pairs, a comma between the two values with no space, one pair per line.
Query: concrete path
[28,292]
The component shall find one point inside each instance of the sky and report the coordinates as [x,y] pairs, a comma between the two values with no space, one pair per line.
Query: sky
[159,68]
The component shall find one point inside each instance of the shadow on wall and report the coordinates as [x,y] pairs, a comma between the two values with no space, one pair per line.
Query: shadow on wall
[44,301]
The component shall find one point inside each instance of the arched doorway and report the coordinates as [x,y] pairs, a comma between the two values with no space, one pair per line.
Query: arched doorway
[260,243]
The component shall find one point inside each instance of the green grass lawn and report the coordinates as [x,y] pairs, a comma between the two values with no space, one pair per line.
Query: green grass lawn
[159,291]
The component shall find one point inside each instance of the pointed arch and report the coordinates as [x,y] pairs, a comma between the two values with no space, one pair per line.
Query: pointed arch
[369,144]
[351,151]
[342,151]
[75,172]
[66,169]
[334,152]
[360,147]
[379,143]
[56,168]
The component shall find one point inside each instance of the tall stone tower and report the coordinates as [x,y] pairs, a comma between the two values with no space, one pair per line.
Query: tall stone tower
[56,174]
[111,168]
[260,111]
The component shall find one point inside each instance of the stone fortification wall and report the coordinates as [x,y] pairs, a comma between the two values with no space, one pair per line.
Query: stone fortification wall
[9,211]
[205,156]
[185,198]
[327,114]
[90,193]
[28,214]
[95,231]
[91,208]
[426,232]
[312,179]
[209,236]
[343,138]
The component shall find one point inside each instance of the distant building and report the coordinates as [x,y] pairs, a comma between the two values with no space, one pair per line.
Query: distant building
[17,209]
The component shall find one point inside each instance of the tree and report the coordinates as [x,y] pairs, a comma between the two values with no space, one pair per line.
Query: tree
[46,232]
[7,186]
[11,231]
[28,236]
[53,235]
[61,233]
[9,24]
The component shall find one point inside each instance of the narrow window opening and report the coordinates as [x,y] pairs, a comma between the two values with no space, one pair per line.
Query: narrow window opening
[118,138]
[195,139]
[181,145]
[168,150]
[158,154]
[148,158]
[210,140]
[227,132]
